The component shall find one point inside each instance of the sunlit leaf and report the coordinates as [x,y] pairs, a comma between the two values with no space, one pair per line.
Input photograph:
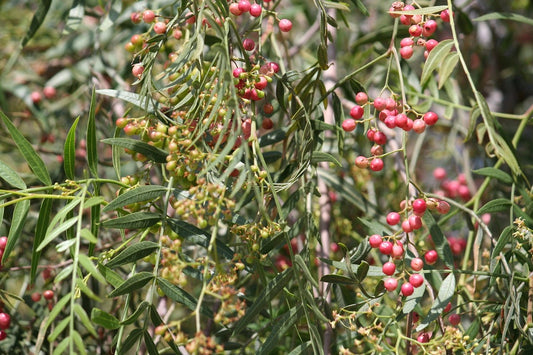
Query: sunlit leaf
[446,292]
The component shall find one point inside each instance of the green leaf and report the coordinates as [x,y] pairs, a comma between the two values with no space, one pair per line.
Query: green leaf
[434,60]
[505,16]
[412,301]
[496,205]
[446,69]
[322,56]
[263,300]
[132,338]
[362,271]
[74,18]
[362,8]
[495,173]
[446,291]
[138,194]
[271,138]
[179,295]
[62,346]
[133,283]
[149,342]
[34,161]
[112,277]
[84,318]
[337,279]
[40,233]
[78,341]
[69,151]
[318,157]
[196,235]
[92,153]
[59,307]
[64,273]
[133,317]
[149,151]
[281,326]
[133,253]
[299,261]
[133,221]
[130,97]
[422,11]
[11,177]
[58,329]
[104,319]
[17,225]
[82,286]
[504,238]
[37,20]
[87,235]
[52,234]
[88,265]
[441,243]
[271,156]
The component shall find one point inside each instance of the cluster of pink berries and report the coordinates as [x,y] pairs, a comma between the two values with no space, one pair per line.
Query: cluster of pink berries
[452,188]
[420,27]
[49,92]
[251,84]
[255,10]
[3,243]
[390,112]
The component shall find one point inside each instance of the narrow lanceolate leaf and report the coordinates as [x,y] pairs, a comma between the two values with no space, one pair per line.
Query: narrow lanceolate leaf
[281,326]
[149,342]
[422,11]
[130,97]
[504,238]
[318,157]
[495,173]
[111,277]
[496,205]
[92,153]
[138,312]
[337,279]
[53,233]
[446,69]
[84,318]
[80,345]
[179,295]
[299,261]
[139,194]
[263,300]
[135,282]
[59,306]
[17,224]
[34,161]
[446,291]
[88,265]
[37,20]
[133,221]
[11,177]
[435,58]
[69,151]
[75,17]
[58,329]
[505,16]
[441,243]
[152,153]
[104,319]
[133,253]
[132,338]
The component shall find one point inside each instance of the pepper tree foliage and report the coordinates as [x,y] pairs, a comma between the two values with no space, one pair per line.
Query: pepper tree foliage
[188,195]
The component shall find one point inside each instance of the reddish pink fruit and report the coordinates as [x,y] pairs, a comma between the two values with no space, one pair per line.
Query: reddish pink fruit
[48,294]
[454,319]
[416,280]
[430,44]
[419,126]
[439,173]
[415,30]
[406,52]
[407,42]
[255,10]
[137,70]
[361,98]
[417,264]
[389,268]
[443,207]
[5,320]
[349,125]
[445,15]
[385,248]
[447,308]
[267,123]
[3,335]
[285,25]
[391,284]
[244,6]
[431,257]
[135,17]
[49,92]
[380,138]
[376,164]
[423,338]
[361,162]
[36,97]
[36,297]
[397,250]
[357,112]
[148,16]
[160,27]
[380,103]
[430,118]
[3,243]
[375,241]
[393,218]
[407,289]
[248,44]
[234,9]
[406,226]
[429,27]
[419,206]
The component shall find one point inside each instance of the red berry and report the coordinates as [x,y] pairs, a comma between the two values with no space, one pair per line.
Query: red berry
[406,226]
[36,297]
[430,118]
[389,268]
[400,120]
[255,10]
[429,27]
[237,72]
[285,25]
[447,308]
[390,121]
[3,335]
[137,70]
[445,15]
[357,112]
[234,9]
[5,320]
[416,280]
[248,44]
[443,207]
[267,123]
[49,92]
[160,27]
[406,52]
[261,84]
[397,250]
[361,162]
[415,30]
[268,108]
[349,125]
[376,150]
[419,206]
[36,97]
[380,104]
[244,6]
[415,317]
[48,294]
[419,126]
[370,134]
[361,98]
[431,257]
[380,138]
[148,16]
[390,284]
[385,247]
[407,289]
[430,44]
[423,338]
[406,42]
[135,17]
[454,319]
[3,242]
[376,164]
[375,241]
[439,173]
[393,218]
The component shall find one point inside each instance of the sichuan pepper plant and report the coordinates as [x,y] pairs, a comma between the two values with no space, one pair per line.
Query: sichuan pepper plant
[270,176]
